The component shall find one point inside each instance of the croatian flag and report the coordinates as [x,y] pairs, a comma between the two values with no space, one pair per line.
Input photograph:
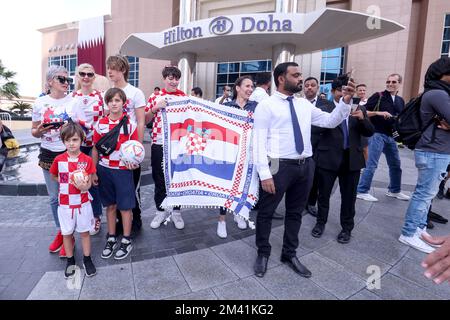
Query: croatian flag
[91,43]
[208,156]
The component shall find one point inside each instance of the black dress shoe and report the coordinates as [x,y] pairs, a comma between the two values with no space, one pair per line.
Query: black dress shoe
[312,210]
[344,237]
[433,216]
[295,265]
[317,231]
[260,266]
[278,216]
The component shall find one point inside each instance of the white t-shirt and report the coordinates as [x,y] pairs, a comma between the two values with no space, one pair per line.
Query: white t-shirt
[47,110]
[258,95]
[135,100]
[224,100]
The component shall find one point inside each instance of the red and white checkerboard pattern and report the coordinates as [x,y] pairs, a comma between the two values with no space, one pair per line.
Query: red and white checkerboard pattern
[195,144]
[92,105]
[105,125]
[63,166]
[157,137]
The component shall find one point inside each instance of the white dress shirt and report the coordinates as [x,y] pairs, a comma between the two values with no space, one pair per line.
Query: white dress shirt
[274,134]
[259,95]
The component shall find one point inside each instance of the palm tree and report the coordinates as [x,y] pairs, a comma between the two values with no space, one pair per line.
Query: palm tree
[8,88]
[21,107]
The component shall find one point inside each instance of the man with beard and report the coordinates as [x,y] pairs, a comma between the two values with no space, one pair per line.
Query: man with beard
[282,152]
[311,89]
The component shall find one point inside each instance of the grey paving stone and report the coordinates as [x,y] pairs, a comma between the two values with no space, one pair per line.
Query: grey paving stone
[206,294]
[110,283]
[53,286]
[243,289]
[331,276]
[410,270]
[416,255]
[284,284]
[238,256]
[365,295]
[203,269]
[352,260]
[373,243]
[21,286]
[395,288]
[277,246]
[158,279]
[6,279]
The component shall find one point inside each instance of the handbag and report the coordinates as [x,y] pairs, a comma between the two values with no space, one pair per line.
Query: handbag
[107,144]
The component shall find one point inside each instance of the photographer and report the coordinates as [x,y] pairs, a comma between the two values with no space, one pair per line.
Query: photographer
[381,108]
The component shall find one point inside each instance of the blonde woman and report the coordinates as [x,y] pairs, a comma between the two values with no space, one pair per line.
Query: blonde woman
[90,101]
[49,113]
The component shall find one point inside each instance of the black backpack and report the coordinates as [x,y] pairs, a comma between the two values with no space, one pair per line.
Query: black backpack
[408,126]
[107,144]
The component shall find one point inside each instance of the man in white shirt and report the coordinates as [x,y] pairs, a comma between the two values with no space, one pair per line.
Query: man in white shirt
[226,97]
[283,134]
[263,83]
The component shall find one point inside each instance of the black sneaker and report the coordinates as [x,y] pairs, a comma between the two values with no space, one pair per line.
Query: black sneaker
[70,268]
[125,248]
[111,245]
[89,267]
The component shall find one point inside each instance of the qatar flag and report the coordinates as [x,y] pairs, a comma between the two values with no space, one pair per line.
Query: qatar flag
[91,43]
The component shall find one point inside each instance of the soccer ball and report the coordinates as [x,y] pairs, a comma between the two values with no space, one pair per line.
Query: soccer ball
[78,176]
[132,152]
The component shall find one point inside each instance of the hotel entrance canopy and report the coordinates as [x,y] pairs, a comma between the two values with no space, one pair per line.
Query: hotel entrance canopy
[254,36]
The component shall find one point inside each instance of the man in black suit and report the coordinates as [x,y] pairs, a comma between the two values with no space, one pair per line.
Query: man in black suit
[311,89]
[339,154]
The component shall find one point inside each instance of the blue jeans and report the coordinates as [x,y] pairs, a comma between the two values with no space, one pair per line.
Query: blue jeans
[96,203]
[53,193]
[432,169]
[381,143]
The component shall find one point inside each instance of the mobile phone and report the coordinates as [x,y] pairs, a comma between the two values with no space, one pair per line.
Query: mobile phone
[54,125]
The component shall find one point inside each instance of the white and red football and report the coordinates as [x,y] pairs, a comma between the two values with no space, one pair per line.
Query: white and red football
[132,152]
[78,176]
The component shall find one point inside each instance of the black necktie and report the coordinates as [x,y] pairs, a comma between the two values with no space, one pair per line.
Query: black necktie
[345,131]
[296,126]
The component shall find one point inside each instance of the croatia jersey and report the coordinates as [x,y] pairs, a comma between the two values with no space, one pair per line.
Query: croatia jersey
[64,166]
[105,125]
[135,100]
[92,105]
[157,137]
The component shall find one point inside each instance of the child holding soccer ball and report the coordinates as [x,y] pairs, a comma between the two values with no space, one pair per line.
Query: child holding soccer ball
[114,175]
[73,170]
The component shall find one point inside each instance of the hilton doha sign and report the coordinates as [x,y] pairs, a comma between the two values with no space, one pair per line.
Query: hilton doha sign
[220,26]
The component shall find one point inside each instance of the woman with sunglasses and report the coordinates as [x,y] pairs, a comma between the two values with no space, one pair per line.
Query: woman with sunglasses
[50,112]
[90,101]
[242,90]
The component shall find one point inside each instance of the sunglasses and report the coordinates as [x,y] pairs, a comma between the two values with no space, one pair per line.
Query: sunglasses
[393,82]
[63,79]
[84,74]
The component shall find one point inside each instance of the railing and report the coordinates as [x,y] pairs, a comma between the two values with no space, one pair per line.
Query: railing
[6,117]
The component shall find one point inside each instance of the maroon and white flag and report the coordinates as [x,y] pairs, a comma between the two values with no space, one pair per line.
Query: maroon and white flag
[91,43]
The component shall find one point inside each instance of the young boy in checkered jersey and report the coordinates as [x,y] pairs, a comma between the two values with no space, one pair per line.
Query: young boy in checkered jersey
[171,78]
[115,178]
[74,210]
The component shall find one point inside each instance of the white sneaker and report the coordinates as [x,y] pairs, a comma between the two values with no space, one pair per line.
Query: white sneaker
[240,222]
[158,219]
[398,195]
[366,197]
[177,220]
[222,229]
[423,232]
[416,243]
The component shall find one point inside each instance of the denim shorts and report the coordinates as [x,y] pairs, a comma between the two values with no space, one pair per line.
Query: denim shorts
[116,187]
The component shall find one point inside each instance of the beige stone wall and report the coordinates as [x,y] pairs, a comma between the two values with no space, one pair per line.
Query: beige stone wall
[434,29]
[374,60]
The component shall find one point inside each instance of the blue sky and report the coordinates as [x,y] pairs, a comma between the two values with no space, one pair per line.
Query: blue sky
[20,48]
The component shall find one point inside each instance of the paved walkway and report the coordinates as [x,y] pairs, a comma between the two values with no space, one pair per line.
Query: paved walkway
[195,264]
